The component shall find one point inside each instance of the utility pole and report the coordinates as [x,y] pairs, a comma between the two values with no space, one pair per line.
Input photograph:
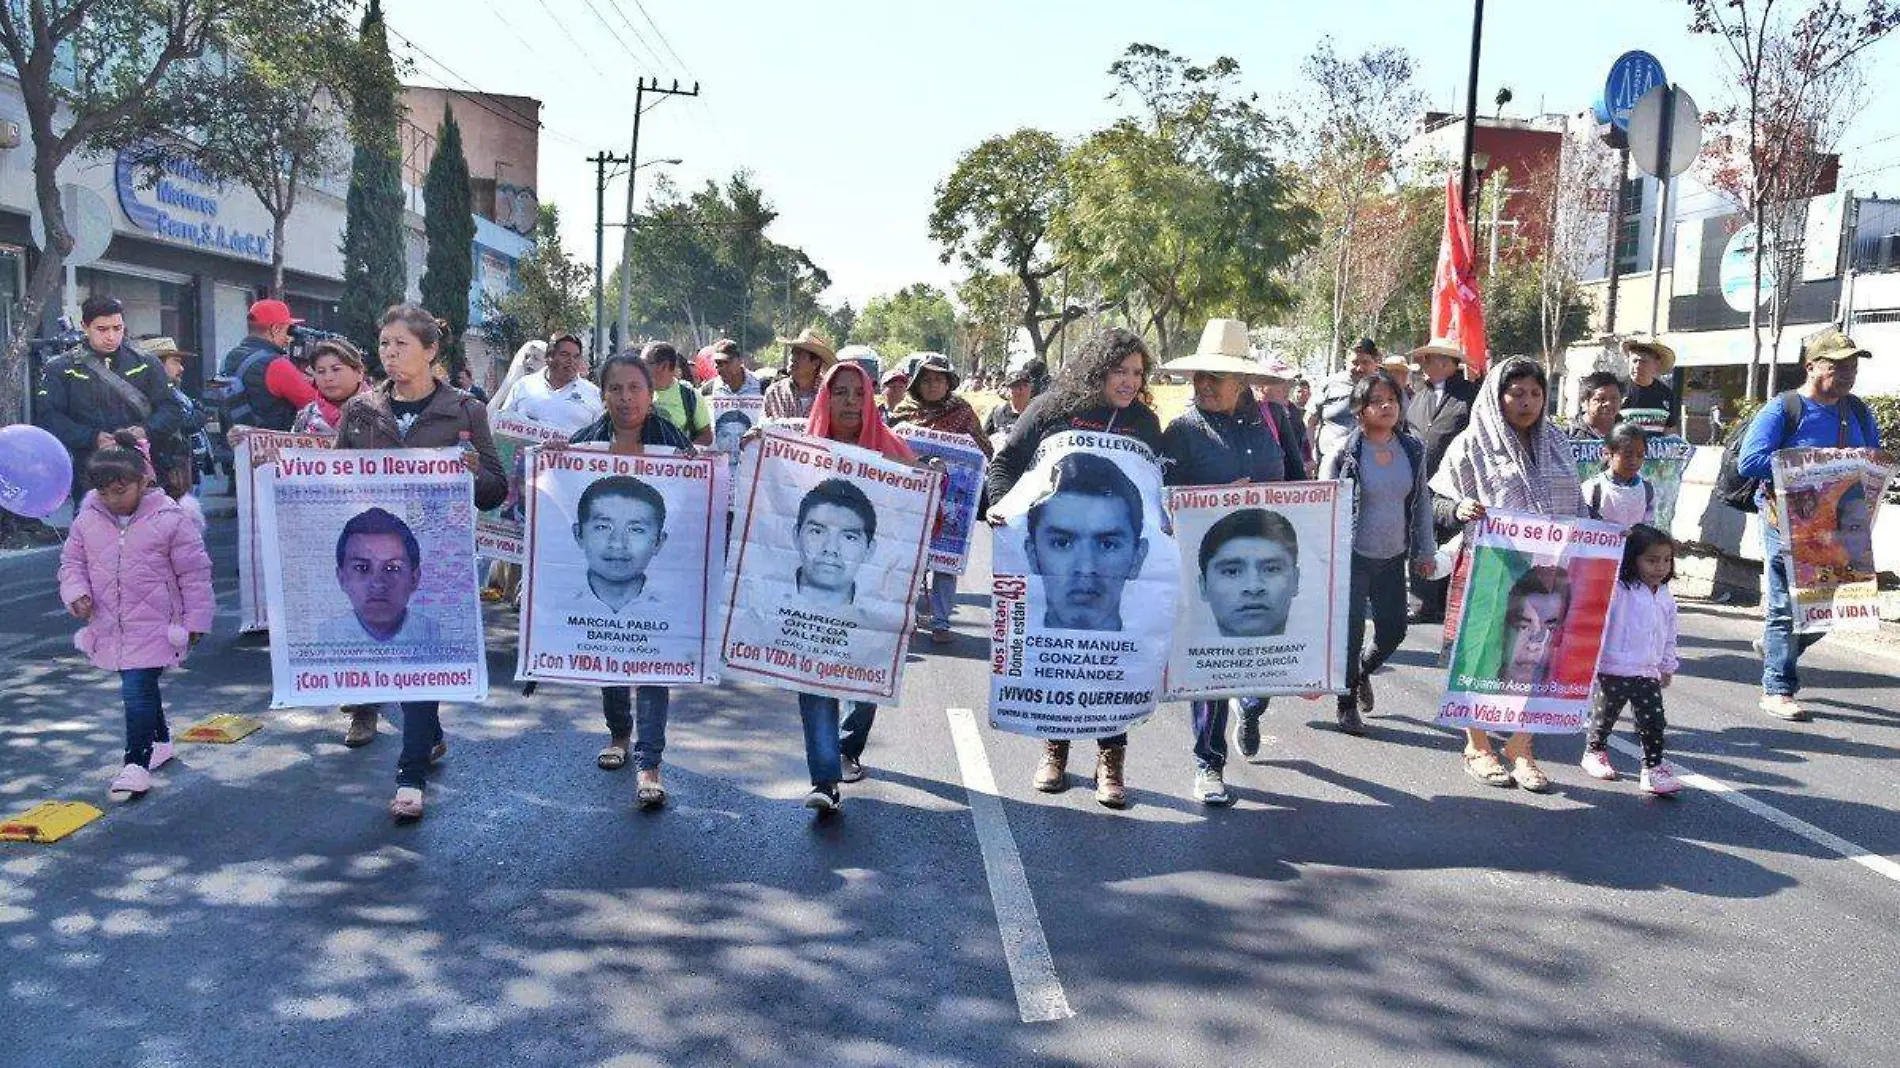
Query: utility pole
[1471,100]
[1616,234]
[642,87]
[601,161]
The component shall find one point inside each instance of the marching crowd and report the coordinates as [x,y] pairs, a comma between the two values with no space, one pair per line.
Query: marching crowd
[1425,448]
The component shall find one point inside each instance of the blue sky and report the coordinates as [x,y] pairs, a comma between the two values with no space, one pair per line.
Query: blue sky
[849,113]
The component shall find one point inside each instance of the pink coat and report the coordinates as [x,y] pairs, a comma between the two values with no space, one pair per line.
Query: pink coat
[150,583]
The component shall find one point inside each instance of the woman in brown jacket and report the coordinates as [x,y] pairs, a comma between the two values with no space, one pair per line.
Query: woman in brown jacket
[413,410]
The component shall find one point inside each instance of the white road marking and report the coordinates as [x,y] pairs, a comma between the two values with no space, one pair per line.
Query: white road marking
[1866,858]
[1039,995]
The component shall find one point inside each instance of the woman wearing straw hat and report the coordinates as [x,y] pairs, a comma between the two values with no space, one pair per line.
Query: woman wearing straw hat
[1439,411]
[792,396]
[1221,439]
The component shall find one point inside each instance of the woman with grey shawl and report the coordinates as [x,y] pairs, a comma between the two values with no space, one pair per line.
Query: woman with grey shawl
[1511,458]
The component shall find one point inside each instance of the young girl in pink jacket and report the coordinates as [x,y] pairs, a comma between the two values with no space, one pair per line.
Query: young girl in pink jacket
[1639,659]
[134,568]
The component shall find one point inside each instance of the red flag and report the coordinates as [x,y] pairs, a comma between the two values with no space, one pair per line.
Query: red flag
[1457,302]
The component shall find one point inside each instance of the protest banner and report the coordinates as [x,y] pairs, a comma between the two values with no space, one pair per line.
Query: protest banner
[255,461]
[1825,504]
[963,465]
[369,563]
[732,416]
[1530,627]
[623,560]
[831,542]
[1087,580]
[499,531]
[1665,458]
[1265,576]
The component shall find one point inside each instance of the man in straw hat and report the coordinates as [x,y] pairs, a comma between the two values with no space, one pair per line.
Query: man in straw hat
[1649,360]
[1222,439]
[1333,421]
[810,355]
[1823,413]
[1439,411]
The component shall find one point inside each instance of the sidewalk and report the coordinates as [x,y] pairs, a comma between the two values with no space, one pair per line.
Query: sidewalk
[41,561]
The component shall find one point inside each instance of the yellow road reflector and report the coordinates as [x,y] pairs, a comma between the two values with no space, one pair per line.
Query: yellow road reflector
[48,821]
[220,729]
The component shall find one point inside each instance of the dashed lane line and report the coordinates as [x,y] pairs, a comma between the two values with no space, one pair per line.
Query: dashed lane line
[1039,994]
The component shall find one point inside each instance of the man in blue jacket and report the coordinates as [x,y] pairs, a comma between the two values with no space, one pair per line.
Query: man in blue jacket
[1830,417]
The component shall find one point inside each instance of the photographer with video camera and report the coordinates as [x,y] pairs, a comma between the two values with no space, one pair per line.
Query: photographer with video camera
[263,387]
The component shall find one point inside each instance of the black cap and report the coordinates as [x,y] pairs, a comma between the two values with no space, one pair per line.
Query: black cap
[1366,345]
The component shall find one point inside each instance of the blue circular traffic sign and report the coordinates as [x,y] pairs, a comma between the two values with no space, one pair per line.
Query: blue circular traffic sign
[1632,75]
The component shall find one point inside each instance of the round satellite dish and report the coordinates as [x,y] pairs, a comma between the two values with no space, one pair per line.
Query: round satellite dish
[89,218]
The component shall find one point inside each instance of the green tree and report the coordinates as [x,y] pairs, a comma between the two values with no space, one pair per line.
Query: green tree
[917,318]
[987,319]
[996,209]
[449,228]
[374,272]
[553,291]
[1184,211]
[131,49]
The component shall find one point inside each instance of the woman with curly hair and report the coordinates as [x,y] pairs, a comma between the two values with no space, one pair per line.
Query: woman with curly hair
[1098,389]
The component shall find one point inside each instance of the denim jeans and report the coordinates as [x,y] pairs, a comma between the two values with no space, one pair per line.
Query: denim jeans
[144,714]
[1210,729]
[942,597]
[641,712]
[421,730]
[1781,647]
[1378,585]
[827,742]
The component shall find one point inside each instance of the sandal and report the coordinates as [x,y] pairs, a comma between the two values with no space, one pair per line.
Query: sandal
[1487,769]
[612,758]
[1527,775]
[650,794]
[406,805]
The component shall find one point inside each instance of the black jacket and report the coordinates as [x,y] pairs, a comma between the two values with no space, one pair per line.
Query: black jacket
[657,430]
[1215,448]
[75,406]
[1437,424]
[1037,422]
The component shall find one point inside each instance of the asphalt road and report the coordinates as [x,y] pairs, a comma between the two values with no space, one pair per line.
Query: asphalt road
[1363,904]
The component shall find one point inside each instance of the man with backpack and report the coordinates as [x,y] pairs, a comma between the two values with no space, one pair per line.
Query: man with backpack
[103,385]
[1823,413]
[673,399]
[265,388]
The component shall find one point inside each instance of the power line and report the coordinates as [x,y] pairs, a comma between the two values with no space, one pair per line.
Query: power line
[650,56]
[609,27]
[506,114]
[661,34]
[569,34]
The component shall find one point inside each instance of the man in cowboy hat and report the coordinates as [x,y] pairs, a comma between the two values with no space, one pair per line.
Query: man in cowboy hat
[811,355]
[1439,411]
[1332,421]
[1823,413]
[1649,360]
[1400,368]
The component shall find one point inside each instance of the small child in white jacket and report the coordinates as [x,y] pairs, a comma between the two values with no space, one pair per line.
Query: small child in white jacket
[1639,659]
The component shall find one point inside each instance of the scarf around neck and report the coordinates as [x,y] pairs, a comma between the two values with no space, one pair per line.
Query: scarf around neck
[1491,464]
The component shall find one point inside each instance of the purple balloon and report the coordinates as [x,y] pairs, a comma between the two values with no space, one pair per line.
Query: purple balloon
[36,474]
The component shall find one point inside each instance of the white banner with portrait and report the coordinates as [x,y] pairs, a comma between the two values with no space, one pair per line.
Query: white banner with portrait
[255,461]
[1266,573]
[370,572]
[963,465]
[830,543]
[732,416]
[1087,580]
[500,532]
[624,557]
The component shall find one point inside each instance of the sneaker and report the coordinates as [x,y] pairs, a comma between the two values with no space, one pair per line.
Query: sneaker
[824,799]
[1249,733]
[942,635]
[1661,780]
[1596,764]
[1347,713]
[1363,694]
[1760,653]
[1782,706]
[1211,789]
[132,781]
[161,755]
[853,770]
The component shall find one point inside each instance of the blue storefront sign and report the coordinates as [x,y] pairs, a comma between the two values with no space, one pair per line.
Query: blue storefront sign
[183,207]
[1632,75]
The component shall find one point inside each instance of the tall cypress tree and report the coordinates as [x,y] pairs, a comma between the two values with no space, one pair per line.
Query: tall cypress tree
[374,276]
[450,229]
